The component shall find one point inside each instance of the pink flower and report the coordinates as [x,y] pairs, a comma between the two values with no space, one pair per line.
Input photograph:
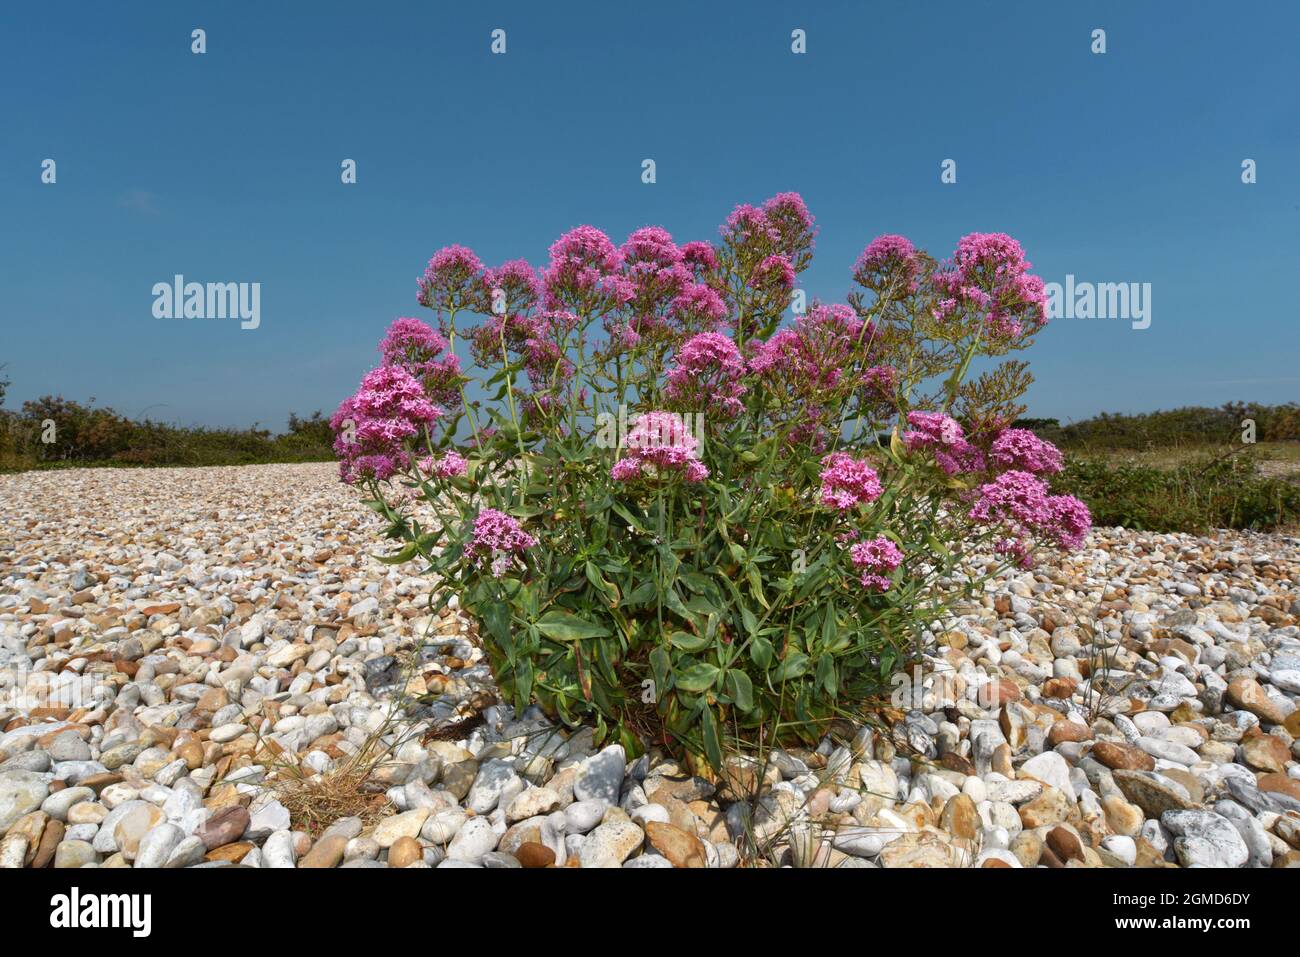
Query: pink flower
[781,355]
[424,353]
[880,382]
[372,427]
[847,481]
[788,215]
[517,283]
[499,535]
[1013,497]
[1022,449]
[749,225]
[943,434]
[536,339]
[989,277]
[1020,500]
[584,270]
[708,373]
[876,559]
[1016,550]
[773,272]
[660,444]
[1069,520]
[889,262]
[451,465]
[930,429]
[960,458]
[698,307]
[652,244]
[451,279]
[700,256]
[813,357]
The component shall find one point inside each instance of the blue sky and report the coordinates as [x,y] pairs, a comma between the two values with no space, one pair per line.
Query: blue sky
[1122,167]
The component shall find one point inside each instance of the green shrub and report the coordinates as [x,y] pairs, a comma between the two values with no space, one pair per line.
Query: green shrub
[1207,493]
[1190,426]
[674,517]
[81,435]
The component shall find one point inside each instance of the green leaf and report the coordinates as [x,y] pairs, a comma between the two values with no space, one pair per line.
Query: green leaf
[761,652]
[698,583]
[826,676]
[405,555]
[688,642]
[524,681]
[642,594]
[699,605]
[830,627]
[627,516]
[661,668]
[741,689]
[609,590]
[698,678]
[793,666]
[756,585]
[712,743]
[566,626]
[673,602]
[496,617]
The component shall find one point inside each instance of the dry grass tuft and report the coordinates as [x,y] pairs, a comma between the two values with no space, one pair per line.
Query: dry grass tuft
[315,801]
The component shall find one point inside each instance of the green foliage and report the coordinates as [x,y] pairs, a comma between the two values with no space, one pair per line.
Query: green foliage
[1194,425]
[700,616]
[1206,493]
[88,435]
[701,609]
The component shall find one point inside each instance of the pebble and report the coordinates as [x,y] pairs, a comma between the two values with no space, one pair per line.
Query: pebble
[222,610]
[474,839]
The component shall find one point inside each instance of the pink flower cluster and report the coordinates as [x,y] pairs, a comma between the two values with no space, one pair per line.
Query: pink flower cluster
[1016,550]
[783,224]
[1022,449]
[788,215]
[700,256]
[451,465]
[813,356]
[708,375]
[1021,500]
[659,443]
[769,245]
[847,481]
[424,353]
[989,277]
[585,271]
[876,559]
[536,339]
[451,280]
[774,272]
[516,282]
[944,435]
[373,427]
[889,264]
[698,307]
[880,383]
[499,535]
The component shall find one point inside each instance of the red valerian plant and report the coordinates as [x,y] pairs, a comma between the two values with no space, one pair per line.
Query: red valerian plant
[684,519]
